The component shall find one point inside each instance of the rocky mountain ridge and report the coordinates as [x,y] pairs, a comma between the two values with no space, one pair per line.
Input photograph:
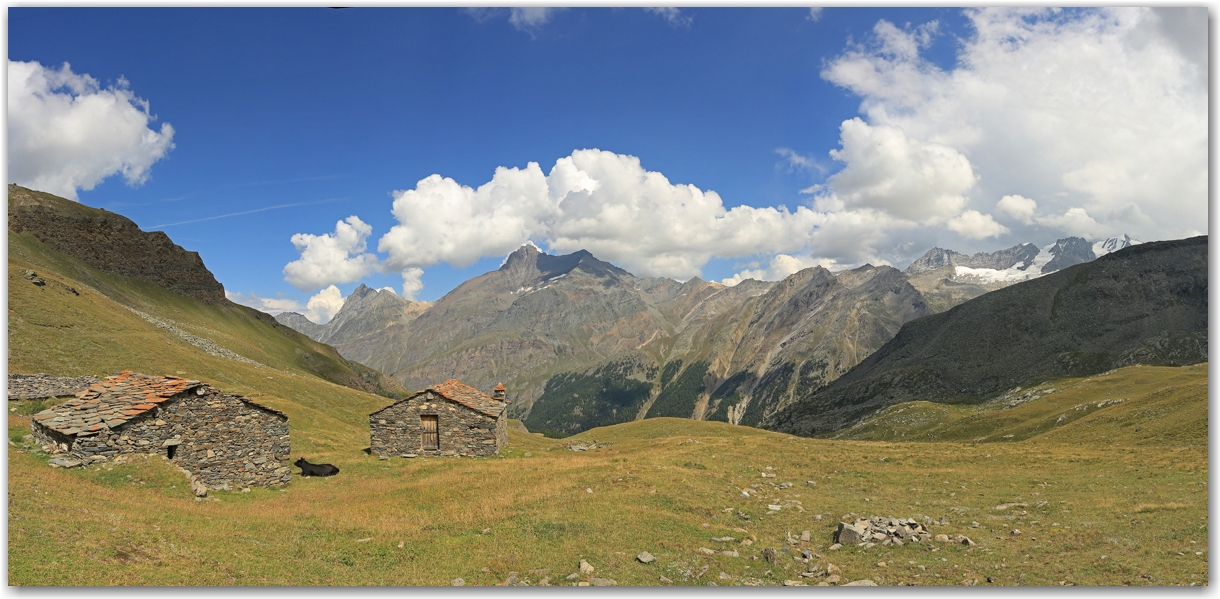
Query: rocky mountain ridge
[582,343]
[111,243]
[1143,304]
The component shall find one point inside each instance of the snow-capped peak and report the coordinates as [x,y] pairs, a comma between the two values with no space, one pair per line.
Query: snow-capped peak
[1113,244]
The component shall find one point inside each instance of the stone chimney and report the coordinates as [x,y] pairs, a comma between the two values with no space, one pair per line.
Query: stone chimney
[498,393]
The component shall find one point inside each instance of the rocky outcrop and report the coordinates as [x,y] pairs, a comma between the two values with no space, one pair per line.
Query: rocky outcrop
[1145,304]
[110,243]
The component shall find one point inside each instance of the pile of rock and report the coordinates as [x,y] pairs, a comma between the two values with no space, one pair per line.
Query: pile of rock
[41,386]
[881,530]
[206,345]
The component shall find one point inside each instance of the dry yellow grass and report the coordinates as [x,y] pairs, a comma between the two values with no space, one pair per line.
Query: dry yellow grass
[1132,516]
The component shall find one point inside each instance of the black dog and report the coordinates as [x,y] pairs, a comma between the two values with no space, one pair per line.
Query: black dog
[308,469]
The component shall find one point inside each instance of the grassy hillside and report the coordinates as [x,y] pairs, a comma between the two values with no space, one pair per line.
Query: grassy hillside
[1137,404]
[1113,514]
[74,325]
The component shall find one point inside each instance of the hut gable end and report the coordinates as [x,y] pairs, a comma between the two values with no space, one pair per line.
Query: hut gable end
[445,419]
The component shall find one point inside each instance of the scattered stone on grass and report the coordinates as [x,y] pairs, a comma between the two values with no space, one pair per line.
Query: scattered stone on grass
[585,568]
[457,582]
[645,557]
[877,529]
[602,582]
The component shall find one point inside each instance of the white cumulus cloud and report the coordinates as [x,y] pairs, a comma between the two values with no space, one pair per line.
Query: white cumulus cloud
[973,224]
[1077,222]
[331,257]
[412,283]
[318,309]
[1101,110]
[68,132]
[1018,207]
[595,200]
[270,305]
[324,305]
[781,266]
[889,171]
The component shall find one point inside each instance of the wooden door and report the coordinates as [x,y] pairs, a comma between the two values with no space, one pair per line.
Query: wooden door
[431,439]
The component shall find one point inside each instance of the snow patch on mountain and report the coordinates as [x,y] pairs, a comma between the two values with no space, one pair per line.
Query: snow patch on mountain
[1069,251]
[1105,246]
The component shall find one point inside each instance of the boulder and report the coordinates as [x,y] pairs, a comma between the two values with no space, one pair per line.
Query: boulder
[850,534]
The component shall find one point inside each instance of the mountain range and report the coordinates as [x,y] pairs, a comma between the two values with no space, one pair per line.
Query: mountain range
[1145,304]
[582,343]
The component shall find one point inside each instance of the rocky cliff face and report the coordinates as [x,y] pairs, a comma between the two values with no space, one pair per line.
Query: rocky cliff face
[111,243]
[1145,304]
[1068,252]
[734,353]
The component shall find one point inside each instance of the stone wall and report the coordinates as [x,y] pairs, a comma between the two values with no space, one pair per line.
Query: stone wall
[231,442]
[39,386]
[397,430]
[222,440]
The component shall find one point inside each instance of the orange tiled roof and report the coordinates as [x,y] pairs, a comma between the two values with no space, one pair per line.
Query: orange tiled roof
[113,402]
[462,394]
[469,397]
[500,387]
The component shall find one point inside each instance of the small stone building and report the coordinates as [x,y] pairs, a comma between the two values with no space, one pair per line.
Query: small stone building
[223,440]
[449,419]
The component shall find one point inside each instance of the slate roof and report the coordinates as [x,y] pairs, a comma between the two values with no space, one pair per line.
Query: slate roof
[117,400]
[113,402]
[463,394]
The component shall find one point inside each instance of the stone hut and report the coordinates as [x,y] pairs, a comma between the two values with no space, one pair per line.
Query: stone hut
[449,419]
[222,440]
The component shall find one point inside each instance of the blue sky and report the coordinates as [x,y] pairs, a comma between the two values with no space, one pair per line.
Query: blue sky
[287,121]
